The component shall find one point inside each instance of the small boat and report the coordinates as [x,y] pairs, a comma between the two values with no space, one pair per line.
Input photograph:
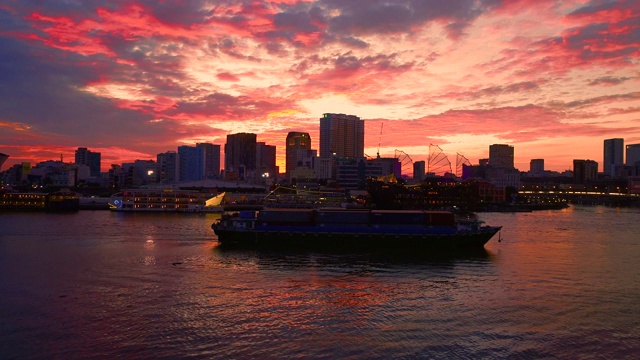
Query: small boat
[153,200]
[357,229]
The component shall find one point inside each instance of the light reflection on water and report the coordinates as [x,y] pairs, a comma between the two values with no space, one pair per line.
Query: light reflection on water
[562,284]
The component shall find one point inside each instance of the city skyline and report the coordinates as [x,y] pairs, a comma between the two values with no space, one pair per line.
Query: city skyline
[131,80]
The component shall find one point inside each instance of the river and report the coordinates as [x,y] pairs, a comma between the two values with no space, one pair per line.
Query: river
[97,285]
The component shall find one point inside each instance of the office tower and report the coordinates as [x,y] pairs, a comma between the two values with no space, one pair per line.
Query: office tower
[633,154]
[191,163]
[341,136]
[296,141]
[240,154]
[266,160]
[211,160]
[89,158]
[536,167]
[167,167]
[501,156]
[613,155]
[584,170]
[419,170]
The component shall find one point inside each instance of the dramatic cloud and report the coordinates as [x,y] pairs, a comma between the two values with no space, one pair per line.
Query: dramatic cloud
[135,78]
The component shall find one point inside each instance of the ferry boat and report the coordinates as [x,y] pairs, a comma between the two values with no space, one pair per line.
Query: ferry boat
[168,200]
[59,201]
[358,229]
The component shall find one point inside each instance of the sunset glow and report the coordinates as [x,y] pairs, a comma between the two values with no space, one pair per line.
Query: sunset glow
[134,79]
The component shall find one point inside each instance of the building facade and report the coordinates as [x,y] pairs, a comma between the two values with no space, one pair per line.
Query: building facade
[341,137]
[501,156]
[633,154]
[191,163]
[584,170]
[266,161]
[211,160]
[613,155]
[536,167]
[298,143]
[84,156]
[167,167]
[240,155]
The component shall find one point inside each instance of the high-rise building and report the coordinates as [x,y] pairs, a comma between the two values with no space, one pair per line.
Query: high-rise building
[419,170]
[341,136]
[266,160]
[613,155]
[536,167]
[633,154]
[240,155]
[211,160]
[501,156]
[296,141]
[584,170]
[191,163]
[89,158]
[167,167]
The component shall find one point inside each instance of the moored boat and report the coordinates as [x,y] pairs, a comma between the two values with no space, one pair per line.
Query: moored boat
[358,229]
[154,200]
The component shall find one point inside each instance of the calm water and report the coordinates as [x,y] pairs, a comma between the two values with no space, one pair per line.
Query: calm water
[561,284]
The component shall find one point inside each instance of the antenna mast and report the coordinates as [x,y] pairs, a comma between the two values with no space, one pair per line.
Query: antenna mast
[380,139]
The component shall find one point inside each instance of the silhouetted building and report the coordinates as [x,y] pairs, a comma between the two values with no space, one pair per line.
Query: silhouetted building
[419,170]
[167,167]
[584,170]
[536,167]
[613,155]
[240,155]
[633,154]
[191,163]
[266,161]
[341,136]
[3,158]
[501,156]
[298,145]
[211,160]
[89,158]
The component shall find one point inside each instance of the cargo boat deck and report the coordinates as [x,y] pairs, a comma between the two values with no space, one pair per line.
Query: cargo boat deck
[357,229]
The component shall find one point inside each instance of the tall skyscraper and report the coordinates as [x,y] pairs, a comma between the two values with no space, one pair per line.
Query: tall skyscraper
[296,141]
[613,155]
[341,136]
[240,154]
[211,160]
[501,156]
[191,163]
[633,154]
[89,158]
[419,170]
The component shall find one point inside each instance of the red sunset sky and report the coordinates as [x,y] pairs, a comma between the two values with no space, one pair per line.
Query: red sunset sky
[131,79]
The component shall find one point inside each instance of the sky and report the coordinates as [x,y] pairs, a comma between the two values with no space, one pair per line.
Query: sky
[131,79]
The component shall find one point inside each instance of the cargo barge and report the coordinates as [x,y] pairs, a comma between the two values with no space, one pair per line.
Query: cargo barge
[354,229]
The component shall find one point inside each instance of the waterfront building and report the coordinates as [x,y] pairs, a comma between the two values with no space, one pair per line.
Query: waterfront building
[536,167]
[501,156]
[419,170]
[191,163]
[84,156]
[211,160]
[584,170]
[633,154]
[266,161]
[298,144]
[240,156]
[341,136]
[613,155]
[352,174]
[167,167]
